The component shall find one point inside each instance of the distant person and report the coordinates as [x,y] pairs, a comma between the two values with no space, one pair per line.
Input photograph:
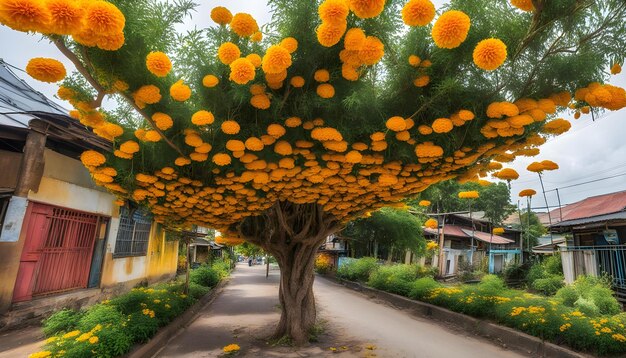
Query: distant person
[250,261]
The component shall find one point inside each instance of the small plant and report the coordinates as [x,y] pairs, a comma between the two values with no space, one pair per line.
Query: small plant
[357,269]
[323,263]
[205,276]
[422,287]
[61,321]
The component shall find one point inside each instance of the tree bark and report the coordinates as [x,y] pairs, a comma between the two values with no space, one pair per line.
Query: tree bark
[292,233]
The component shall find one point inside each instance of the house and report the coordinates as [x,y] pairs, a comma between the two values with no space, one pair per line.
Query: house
[204,251]
[597,244]
[335,249]
[464,239]
[63,241]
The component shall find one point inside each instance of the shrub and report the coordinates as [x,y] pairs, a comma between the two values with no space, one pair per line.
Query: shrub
[222,268]
[553,265]
[568,295]
[205,276]
[548,285]
[588,307]
[196,291]
[604,300]
[62,321]
[141,326]
[422,287]
[515,272]
[102,314]
[357,270]
[115,341]
[130,302]
[395,278]
[596,294]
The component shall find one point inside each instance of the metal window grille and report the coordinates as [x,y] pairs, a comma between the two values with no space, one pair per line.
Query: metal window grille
[4,204]
[133,233]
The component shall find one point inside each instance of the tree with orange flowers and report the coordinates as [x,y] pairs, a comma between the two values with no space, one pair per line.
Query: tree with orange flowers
[279,135]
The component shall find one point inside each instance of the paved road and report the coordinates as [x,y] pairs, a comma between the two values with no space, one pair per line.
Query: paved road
[247,310]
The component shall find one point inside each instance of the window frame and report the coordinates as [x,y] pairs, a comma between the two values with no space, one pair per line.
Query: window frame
[133,233]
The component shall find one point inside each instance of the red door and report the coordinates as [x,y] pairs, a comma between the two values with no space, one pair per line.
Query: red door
[57,251]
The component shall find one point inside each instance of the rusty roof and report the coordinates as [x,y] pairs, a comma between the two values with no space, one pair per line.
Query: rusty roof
[590,207]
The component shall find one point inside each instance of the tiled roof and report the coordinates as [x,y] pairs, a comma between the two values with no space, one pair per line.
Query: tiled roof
[466,233]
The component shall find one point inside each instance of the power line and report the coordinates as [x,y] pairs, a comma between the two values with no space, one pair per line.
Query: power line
[587,182]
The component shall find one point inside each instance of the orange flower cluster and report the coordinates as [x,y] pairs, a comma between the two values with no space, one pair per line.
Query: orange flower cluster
[450,29]
[46,69]
[468,195]
[418,12]
[527,192]
[91,23]
[601,95]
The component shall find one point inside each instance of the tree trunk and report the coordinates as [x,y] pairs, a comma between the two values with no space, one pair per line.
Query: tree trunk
[292,233]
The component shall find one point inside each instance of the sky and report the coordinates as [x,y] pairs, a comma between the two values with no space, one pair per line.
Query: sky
[590,151]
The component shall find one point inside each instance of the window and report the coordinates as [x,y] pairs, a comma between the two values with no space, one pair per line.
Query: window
[4,204]
[133,233]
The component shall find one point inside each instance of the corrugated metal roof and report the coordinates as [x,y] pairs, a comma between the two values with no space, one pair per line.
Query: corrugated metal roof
[594,219]
[466,233]
[593,206]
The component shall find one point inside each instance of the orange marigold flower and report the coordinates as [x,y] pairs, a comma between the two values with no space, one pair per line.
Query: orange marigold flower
[349,72]
[549,165]
[354,39]
[414,60]
[111,42]
[228,52]
[242,71]
[557,126]
[221,159]
[418,12]
[333,11]
[489,54]
[152,136]
[148,94]
[256,37]
[221,15]
[230,127]
[104,18]
[276,130]
[290,44]
[524,5]
[254,144]
[424,203]
[442,125]
[65,93]
[329,34]
[162,121]
[46,69]
[396,124]
[120,86]
[202,118]
[321,75]
[354,157]
[158,63]
[255,59]
[210,81]
[507,174]
[527,192]
[450,29]
[276,59]
[326,134]
[92,158]
[180,92]
[366,9]
[422,81]
[326,90]
[616,69]
[372,50]
[129,147]
[431,224]
[260,101]
[24,15]
[66,17]
[120,154]
[293,122]
[244,24]
[468,194]
[297,81]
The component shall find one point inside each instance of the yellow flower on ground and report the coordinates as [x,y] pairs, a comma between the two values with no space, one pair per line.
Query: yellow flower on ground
[46,69]
[418,12]
[244,25]
[93,340]
[450,29]
[221,15]
[71,334]
[489,54]
[158,63]
[231,348]
[42,354]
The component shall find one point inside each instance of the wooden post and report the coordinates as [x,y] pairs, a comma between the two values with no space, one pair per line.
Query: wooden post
[33,160]
[267,266]
[442,265]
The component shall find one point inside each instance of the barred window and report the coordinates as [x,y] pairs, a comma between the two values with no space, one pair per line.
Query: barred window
[133,233]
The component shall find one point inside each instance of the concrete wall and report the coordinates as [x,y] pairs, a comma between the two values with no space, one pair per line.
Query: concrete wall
[67,183]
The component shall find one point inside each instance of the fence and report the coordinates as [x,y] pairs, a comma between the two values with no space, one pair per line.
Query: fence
[595,260]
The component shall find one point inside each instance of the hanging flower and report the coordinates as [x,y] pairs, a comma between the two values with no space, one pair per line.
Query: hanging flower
[129,147]
[442,125]
[333,11]
[527,192]
[524,5]
[354,39]
[329,34]
[276,59]
[254,59]
[290,44]
[354,157]
[418,12]
[152,136]
[297,81]
[254,144]
[450,29]
[158,63]
[349,72]
[91,158]
[182,161]
[293,122]
[104,18]
[321,75]
[396,124]
[148,94]
[228,52]
[221,159]
[221,15]
[276,130]
[424,203]
[366,9]
[498,230]
[431,224]
[326,90]
[46,69]
[468,194]
[326,134]
[162,121]
[507,174]
[24,15]
[202,118]
[428,150]
[557,126]
[210,81]
[230,127]
[422,81]
[65,16]
[242,71]
[371,51]
[111,42]
[549,165]
[244,24]
[256,37]
[489,54]
[414,60]
[260,101]
[616,69]
[180,92]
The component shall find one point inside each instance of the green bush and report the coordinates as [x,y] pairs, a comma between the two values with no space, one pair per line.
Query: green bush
[588,307]
[102,314]
[222,268]
[568,295]
[604,300]
[397,278]
[205,276]
[141,326]
[62,321]
[548,285]
[357,269]
[422,287]
[130,302]
[595,293]
[553,265]
[196,291]
[115,340]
